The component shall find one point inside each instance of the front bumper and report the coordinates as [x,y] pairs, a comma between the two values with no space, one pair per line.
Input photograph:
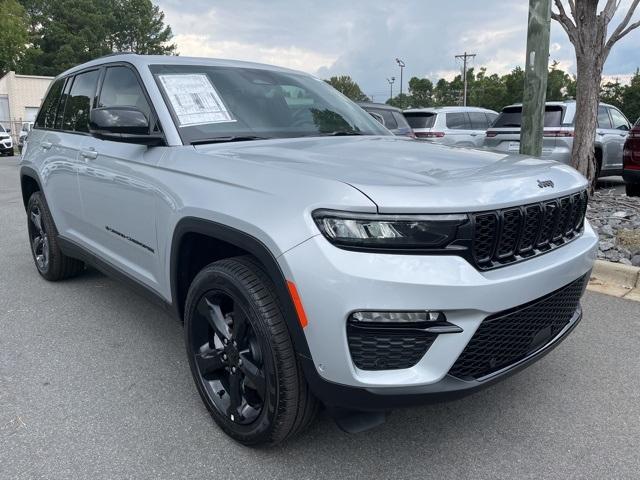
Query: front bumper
[333,283]
[6,147]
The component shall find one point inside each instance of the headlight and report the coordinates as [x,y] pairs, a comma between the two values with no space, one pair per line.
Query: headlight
[372,231]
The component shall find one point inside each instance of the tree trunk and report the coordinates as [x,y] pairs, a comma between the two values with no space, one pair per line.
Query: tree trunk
[589,68]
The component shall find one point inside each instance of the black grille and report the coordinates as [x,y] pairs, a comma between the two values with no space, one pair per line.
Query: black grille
[386,348]
[507,337]
[506,236]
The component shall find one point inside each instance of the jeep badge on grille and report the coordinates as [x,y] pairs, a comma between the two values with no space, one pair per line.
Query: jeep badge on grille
[545,183]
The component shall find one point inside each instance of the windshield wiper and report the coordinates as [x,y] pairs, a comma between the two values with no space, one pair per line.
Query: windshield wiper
[342,133]
[230,138]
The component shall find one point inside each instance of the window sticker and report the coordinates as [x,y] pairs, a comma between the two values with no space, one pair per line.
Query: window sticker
[194,99]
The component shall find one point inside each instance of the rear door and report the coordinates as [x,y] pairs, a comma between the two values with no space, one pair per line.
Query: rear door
[118,194]
[459,131]
[619,132]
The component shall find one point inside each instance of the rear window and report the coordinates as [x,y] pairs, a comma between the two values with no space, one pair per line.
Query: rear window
[420,119]
[387,115]
[402,122]
[512,117]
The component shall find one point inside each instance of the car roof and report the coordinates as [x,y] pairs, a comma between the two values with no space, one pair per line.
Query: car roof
[561,103]
[141,61]
[381,106]
[452,109]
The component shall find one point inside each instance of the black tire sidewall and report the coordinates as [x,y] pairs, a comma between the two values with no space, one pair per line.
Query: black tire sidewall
[36,199]
[219,279]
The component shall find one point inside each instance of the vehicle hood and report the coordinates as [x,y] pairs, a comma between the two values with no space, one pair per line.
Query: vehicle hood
[404,175]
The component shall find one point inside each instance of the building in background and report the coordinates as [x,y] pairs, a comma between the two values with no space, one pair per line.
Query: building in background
[20,99]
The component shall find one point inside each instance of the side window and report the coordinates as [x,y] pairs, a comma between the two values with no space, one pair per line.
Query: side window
[121,88]
[619,120]
[491,117]
[63,101]
[458,121]
[603,118]
[478,120]
[389,121]
[78,106]
[47,115]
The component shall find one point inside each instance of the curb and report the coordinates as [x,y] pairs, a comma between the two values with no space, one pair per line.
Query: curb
[615,279]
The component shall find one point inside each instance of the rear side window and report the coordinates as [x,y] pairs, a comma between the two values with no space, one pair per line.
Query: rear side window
[491,118]
[619,120]
[121,88]
[478,120]
[603,118]
[420,119]
[512,117]
[47,115]
[402,122]
[458,121]
[78,106]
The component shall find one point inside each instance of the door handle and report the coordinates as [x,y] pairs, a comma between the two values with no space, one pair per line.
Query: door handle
[89,154]
[46,145]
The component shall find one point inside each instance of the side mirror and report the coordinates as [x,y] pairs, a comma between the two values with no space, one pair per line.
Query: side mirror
[122,124]
[8,130]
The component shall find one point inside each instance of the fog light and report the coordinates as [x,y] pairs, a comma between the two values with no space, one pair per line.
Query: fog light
[397,317]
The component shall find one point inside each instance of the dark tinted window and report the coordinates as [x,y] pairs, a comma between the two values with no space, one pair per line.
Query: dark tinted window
[512,117]
[402,122]
[420,119]
[47,115]
[121,88]
[76,111]
[389,120]
[63,101]
[603,118]
[478,120]
[458,121]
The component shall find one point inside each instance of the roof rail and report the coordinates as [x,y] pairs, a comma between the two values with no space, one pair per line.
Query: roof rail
[113,54]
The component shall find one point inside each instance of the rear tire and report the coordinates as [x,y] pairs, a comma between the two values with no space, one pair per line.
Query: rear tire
[239,346]
[51,263]
[632,189]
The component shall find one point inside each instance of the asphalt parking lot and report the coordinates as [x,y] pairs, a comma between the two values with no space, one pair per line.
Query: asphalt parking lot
[94,384]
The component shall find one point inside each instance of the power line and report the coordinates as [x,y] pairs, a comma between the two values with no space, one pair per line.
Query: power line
[464,57]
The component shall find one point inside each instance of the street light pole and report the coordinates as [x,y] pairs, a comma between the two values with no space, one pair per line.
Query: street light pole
[391,80]
[401,65]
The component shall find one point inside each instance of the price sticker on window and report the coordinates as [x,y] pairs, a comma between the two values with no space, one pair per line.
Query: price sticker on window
[194,99]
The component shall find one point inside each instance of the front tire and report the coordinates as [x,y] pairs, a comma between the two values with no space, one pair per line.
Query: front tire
[51,263]
[241,355]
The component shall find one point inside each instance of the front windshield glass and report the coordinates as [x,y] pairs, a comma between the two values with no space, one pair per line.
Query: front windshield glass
[213,103]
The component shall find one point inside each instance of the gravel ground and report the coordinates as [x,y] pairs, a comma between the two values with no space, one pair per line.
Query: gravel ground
[94,384]
[616,218]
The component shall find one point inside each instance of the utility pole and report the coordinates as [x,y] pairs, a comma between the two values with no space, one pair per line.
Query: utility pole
[535,77]
[464,58]
[391,80]
[401,65]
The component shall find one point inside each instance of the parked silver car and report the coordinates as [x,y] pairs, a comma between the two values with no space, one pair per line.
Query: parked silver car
[390,117]
[453,126]
[24,131]
[313,256]
[559,121]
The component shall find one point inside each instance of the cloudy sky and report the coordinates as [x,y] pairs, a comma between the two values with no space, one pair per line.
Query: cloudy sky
[362,38]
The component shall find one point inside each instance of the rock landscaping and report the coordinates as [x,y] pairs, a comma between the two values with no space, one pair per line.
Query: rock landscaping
[616,218]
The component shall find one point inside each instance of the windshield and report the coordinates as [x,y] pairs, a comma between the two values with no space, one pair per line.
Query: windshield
[2,130]
[512,117]
[420,119]
[213,103]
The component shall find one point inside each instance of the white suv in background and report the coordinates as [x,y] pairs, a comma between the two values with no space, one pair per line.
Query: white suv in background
[559,125]
[454,126]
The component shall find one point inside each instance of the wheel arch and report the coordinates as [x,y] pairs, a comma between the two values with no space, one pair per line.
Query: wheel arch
[233,242]
[29,183]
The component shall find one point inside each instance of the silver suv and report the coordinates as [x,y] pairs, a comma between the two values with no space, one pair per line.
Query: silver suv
[559,118]
[314,257]
[453,126]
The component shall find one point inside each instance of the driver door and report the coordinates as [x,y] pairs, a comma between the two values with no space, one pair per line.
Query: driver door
[116,187]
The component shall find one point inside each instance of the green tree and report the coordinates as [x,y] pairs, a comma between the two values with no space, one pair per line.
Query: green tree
[557,83]
[631,98]
[348,87]
[514,85]
[14,34]
[64,33]
[421,92]
[613,93]
[443,94]
[139,27]
[487,91]
[401,101]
